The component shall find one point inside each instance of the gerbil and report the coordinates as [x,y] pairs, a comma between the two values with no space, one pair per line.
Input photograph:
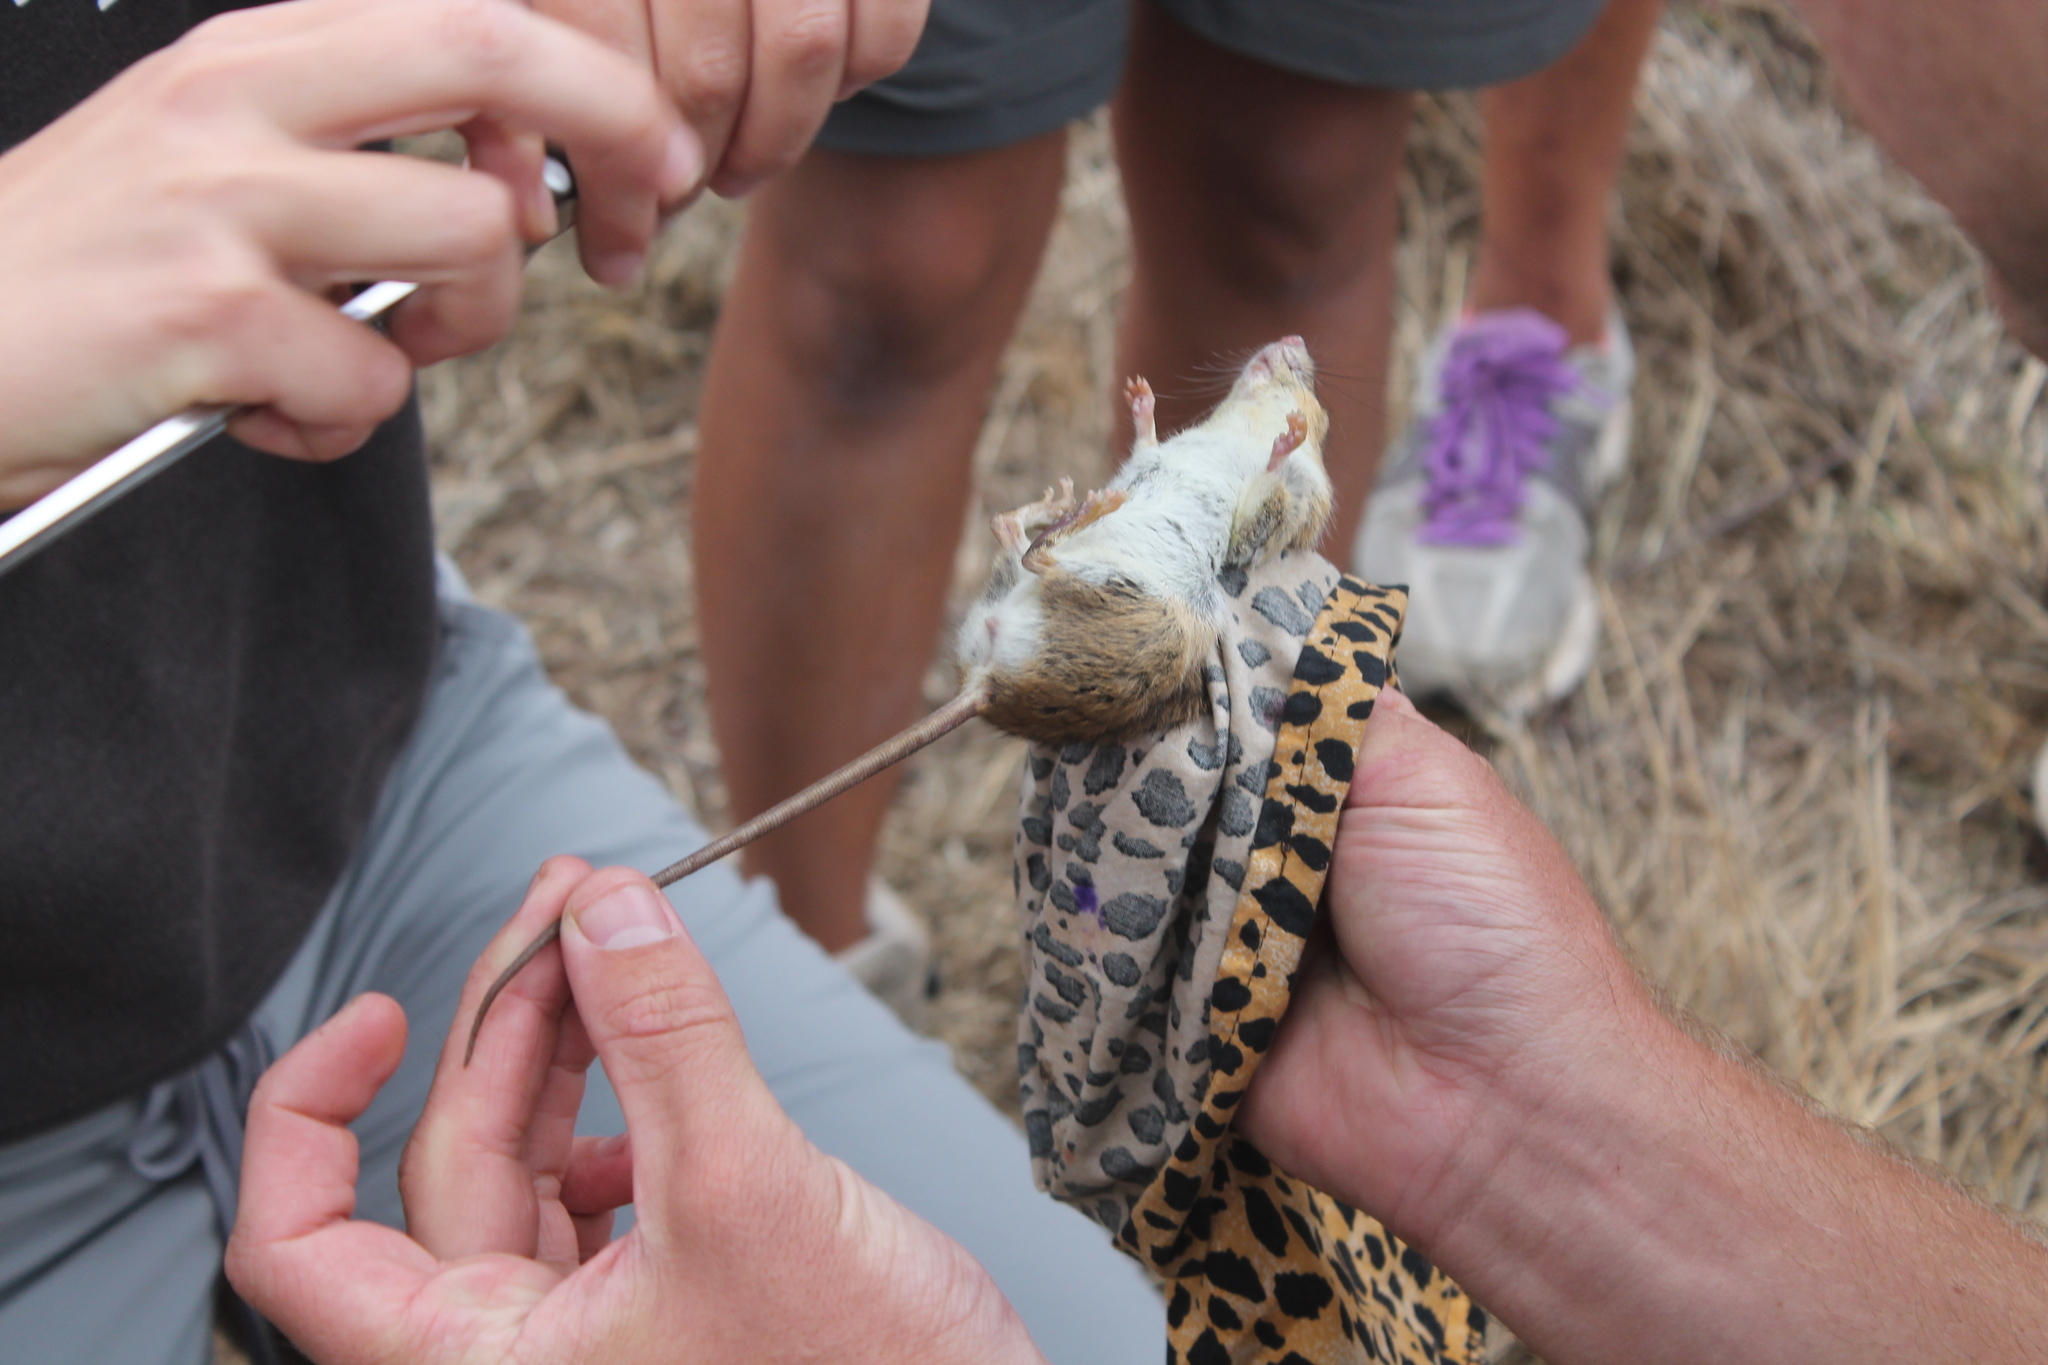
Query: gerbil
[1100,614]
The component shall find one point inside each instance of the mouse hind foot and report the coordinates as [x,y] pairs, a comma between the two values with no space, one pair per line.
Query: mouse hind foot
[1093,508]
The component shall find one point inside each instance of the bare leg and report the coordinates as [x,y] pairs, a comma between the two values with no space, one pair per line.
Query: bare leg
[1960,98]
[848,380]
[1553,149]
[1262,203]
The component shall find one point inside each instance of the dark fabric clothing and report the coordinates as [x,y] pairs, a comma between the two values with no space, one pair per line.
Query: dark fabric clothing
[201,691]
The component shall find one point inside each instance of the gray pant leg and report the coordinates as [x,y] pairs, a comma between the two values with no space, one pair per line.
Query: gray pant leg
[501,774]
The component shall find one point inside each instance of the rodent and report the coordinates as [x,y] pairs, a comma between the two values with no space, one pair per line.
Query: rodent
[1100,614]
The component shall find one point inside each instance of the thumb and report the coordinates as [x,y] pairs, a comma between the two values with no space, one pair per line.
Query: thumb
[666,1033]
[1406,759]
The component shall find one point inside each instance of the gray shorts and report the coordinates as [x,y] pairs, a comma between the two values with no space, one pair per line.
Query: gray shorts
[103,1264]
[988,73]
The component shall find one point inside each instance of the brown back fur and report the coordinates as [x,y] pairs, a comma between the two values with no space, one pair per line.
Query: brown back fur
[1111,662]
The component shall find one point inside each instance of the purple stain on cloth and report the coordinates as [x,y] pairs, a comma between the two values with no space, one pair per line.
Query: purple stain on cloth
[1085,899]
[1500,377]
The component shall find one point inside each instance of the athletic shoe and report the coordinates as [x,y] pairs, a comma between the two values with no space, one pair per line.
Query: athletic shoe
[1485,505]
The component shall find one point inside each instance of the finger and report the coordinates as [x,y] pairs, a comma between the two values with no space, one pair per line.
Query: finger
[467,58]
[702,52]
[598,1183]
[799,54]
[326,379]
[294,1254]
[600,1176]
[622,25]
[464,1177]
[885,33]
[669,1041]
[515,158]
[1407,758]
[346,217]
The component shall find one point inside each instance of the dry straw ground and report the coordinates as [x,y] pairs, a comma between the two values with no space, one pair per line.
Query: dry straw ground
[1797,777]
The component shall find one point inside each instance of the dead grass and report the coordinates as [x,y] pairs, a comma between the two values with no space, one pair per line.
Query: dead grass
[1797,776]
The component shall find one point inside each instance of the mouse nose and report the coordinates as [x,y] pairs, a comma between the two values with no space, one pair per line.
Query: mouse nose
[1289,353]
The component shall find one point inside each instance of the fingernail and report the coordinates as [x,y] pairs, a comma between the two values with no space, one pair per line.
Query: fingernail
[682,163]
[617,268]
[630,917]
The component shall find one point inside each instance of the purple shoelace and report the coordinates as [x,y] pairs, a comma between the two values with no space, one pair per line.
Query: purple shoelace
[1503,371]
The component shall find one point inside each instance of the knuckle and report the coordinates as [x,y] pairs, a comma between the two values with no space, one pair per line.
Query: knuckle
[484,35]
[713,75]
[811,40]
[668,1014]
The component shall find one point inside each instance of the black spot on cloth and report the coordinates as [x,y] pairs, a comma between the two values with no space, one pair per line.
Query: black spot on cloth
[1106,771]
[1301,709]
[1283,611]
[1289,909]
[1311,595]
[1314,853]
[1227,994]
[1059,793]
[1096,1110]
[1360,710]
[1269,706]
[1041,767]
[1027,1059]
[1253,653]
[1119,1164]
[1232,873]
[1137,1059]
[1223,1315]
[1133,915]
[1234,1274]
[1416,1264]
[1207,1350]
[1036,830]
[1072,989]
[1268,1335]
[1322,803]
[1257,1034]
[1064,953]
[1357,632]
[1335,756]
[1233,579]
[1225,1058]
[1075,752]
[1180,1189]
[1276,822]
[1177,1307]
[1250,1160]
[1301,1294]
[1370,667]
[1238,814]
[1254,779]
[1053,1009]
[1121,968]
[1038,1132]
[1207,757]
[1147,1123]
[1036,870]
[1265,1221]
[1087,818]
[1249,935]
[1316,668]
[1163,800]
[1062,896]
[1135,848]
[1162,1086]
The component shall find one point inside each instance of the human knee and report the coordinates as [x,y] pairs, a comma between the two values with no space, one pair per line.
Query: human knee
[897,302]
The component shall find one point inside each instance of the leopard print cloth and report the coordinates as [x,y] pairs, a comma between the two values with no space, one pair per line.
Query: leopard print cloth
[1166,886]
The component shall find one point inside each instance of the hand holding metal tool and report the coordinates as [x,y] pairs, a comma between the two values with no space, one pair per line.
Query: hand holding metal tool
[170,440]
